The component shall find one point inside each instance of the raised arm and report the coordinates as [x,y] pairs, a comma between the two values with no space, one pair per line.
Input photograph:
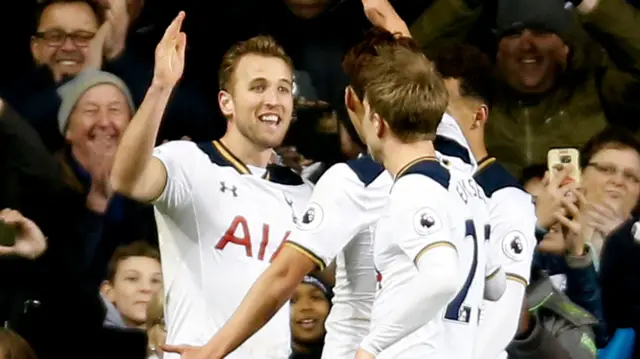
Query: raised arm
[136,173]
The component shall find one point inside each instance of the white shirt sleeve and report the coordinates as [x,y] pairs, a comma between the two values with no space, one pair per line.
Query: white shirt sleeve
[513,238]
[420,301]
[182,160]
[424,235]
[337,211]
[512,219]
[422,216]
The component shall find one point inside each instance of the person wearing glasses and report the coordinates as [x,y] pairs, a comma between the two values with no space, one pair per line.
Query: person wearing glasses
[63,35]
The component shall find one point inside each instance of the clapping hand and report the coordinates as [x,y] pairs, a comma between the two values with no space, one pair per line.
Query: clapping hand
[30,242]
[170,53]
[99,164]
[604,217]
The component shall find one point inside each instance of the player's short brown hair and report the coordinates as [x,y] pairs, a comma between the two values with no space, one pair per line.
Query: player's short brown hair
[375,39]
[259,45]
[405,89]
[124,252]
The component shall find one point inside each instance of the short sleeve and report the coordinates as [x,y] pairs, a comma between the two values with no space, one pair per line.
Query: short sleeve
[181,159]
[420,216]
[335,214]
[512,218]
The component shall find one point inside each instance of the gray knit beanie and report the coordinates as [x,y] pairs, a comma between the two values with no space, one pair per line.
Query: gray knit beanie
[71,92]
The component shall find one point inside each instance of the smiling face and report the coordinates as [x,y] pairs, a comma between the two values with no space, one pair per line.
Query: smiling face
[259,103]
[309,310]
[529,60]
[101,114]
[62,39]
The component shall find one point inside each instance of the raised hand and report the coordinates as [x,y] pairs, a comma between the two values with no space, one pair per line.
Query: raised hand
[578,231]
[30,242]
[382,14]
[118,17]
[96,47]
[100,162]
[169,58]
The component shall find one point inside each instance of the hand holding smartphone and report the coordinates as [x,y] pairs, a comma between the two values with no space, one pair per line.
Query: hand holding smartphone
[559,158]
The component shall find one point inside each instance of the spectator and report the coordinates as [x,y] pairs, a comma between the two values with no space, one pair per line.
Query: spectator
[611,176]
[561,253]
[70,35]
[60,49]
[551,91]
[96,109]
[133,278]
[551,326]
[310,306]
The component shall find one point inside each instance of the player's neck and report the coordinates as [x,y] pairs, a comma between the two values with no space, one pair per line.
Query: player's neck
[401,154]
[476,143]
[245,150]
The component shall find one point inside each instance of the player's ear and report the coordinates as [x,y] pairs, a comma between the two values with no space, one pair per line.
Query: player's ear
[225,101]
[352,102]
[379,124]
[480,117]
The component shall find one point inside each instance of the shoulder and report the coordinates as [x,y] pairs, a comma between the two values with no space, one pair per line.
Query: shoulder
[492,177]
[365,169]
[428,173]
[177,148]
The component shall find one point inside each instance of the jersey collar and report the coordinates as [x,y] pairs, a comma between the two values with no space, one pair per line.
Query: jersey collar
[234,161]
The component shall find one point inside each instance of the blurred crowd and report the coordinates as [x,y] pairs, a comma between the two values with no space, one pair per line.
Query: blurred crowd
[84,278]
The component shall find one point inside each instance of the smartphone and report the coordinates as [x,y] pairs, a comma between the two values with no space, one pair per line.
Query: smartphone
[558,158]
[7,234]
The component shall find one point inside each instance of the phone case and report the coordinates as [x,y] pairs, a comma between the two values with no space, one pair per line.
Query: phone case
[557,158]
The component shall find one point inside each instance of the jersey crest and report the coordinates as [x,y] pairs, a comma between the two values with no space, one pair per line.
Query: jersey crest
[514,245]
[312,217]
[426,221]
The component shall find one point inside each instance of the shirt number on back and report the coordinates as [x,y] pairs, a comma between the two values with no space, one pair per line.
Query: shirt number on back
[456,310]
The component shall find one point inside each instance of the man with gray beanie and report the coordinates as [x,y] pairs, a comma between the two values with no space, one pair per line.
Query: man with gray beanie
[555,87]
[96,109]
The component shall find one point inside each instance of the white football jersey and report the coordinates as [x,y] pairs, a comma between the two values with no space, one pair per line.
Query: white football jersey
[339,224]
[512,242]
[220,225]
[432,206]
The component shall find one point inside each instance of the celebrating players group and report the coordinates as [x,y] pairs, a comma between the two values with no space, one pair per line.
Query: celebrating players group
[432,241]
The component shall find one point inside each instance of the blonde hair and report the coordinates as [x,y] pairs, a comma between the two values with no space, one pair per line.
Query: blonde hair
[406,91]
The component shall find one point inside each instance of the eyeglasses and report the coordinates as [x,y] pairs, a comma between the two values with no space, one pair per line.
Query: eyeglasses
[57,37]
[610,170]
